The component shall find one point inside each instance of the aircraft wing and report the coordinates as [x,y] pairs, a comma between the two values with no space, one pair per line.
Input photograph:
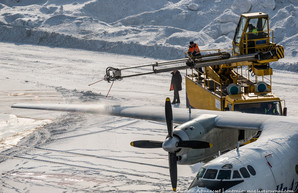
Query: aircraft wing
[234,120]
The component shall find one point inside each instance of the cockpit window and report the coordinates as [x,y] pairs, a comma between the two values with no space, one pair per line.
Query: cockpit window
[210,174]
[224,174]
[236,174]
[227,166]
[201,172]
[244,172]
[251,170]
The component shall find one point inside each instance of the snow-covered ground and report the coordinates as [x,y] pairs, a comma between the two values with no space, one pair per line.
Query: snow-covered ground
[72,152]
[89,149]
[79,152]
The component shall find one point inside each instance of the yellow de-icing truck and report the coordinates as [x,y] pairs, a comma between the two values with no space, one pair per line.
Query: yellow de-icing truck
[236,80]
[244,85]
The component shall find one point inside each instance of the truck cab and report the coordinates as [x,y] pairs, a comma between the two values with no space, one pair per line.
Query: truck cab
[253,35]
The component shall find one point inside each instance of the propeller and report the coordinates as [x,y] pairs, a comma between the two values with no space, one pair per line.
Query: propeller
[172,155]
[146,144]
[194,144]
[169,117]
[172,144]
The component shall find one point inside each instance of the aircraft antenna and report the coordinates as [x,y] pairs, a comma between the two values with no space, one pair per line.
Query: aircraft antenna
[238,144]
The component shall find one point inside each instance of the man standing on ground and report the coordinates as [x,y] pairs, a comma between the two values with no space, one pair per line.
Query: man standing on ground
[176,85]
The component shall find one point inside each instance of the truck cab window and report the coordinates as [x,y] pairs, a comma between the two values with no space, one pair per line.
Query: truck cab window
[239,30]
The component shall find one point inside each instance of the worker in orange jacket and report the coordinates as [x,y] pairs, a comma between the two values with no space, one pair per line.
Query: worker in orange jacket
[193,49]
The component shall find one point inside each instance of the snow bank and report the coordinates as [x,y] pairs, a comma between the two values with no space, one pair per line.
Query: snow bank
[13,129]
[159,29]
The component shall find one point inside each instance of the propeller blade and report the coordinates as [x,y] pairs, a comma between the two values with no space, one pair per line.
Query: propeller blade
[169,117]
[194,144]
[146,144]
[173,170]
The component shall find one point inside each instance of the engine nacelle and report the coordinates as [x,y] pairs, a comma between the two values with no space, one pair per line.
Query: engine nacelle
[196,129]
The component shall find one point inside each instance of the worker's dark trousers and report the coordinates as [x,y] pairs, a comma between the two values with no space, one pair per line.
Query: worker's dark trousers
[176,97]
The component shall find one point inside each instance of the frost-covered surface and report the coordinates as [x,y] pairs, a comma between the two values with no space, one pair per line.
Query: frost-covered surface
[88,153]
[159,29]
[76,152]
[13,129]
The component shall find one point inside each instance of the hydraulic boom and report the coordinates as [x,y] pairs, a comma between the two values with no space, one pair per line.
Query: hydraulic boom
[213,59]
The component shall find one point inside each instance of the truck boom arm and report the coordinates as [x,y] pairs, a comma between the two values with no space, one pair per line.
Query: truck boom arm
[113,74]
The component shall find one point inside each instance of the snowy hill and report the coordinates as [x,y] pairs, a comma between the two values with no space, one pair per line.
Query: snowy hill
[159,29]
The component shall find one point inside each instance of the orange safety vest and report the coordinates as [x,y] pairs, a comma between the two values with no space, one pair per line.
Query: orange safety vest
[194,48]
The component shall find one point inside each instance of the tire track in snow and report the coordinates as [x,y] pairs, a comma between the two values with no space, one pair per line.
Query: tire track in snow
[101,131]
[103,172]
[99,157]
